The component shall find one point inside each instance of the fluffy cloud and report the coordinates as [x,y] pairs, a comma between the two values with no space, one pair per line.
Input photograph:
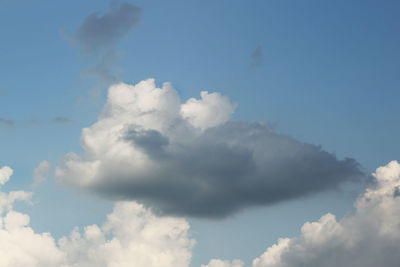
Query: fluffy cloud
[190,159]
[131,236]
[139,238]
[369,237]
[19,244]
[5,173]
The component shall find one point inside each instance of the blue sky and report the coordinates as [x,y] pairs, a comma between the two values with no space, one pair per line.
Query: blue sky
[328,75]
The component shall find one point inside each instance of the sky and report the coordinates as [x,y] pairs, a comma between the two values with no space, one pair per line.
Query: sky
[199,133]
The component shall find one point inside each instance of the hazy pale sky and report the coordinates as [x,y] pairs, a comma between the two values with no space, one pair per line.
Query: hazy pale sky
[199,133]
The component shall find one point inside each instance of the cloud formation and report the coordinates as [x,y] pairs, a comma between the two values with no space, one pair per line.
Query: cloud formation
[5,174]
[191,159]
[134,236]
[103,30]
[369,237]
[131,236]
[41,173]
[97,37]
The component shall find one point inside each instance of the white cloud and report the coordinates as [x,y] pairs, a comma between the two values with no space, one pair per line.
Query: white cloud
[369,237]
[191,159]
[40,173]
[5,173]
[209,111]
[224,263]
[19,244]
[131,236]
[139,238]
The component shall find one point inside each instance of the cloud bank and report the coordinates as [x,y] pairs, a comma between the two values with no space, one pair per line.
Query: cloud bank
[191,159]
[131,236]
[367,238]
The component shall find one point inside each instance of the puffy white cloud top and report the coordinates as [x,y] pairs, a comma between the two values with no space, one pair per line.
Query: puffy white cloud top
[191,159]
[5,173]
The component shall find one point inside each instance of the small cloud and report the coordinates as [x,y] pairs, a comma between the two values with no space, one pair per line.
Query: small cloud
[8,123]
[61,120]
[41,173]
[257,57]
[5,173]
[97,37]
[98,31]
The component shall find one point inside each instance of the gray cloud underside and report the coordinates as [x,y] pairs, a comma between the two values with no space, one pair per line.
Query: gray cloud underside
[226,169]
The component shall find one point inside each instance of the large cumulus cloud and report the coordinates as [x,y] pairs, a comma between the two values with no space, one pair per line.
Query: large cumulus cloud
[191,159]
[131,236]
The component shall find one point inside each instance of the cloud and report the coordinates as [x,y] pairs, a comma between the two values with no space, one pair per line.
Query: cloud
[224,263]
[5,173]
[97,37]
[368,237]
[8,123]
[104,68]
[191,159]
[257,57]
[131,236]
[104,30]
[61,120]
[41,173]
[139,238]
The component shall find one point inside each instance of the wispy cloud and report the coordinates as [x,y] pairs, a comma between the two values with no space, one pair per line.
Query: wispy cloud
[41,173]
[5,122]
[257,57]
[98,36]
[100,31]
[61,120]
